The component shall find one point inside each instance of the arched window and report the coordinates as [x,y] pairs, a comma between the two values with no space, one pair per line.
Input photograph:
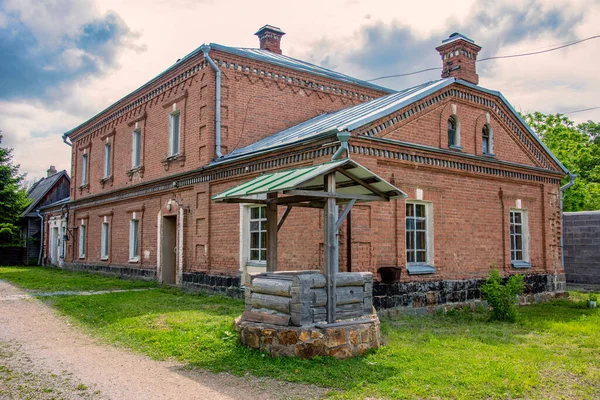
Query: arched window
[452,128]
[486,140]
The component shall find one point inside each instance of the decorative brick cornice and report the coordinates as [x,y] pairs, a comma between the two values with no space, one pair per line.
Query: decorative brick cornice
[108,134]
[137,118]
[442,159]
[292,79]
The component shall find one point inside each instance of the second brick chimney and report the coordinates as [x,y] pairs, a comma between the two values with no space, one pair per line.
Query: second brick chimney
[459,55]
[270,38]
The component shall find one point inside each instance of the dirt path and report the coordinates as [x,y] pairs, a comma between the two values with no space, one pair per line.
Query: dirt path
[52,359]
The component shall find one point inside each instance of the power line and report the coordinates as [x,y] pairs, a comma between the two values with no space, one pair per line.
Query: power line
[494,58]
[578,111]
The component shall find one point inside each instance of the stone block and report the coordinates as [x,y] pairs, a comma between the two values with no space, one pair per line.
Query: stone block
[354,338]
[316,335]
[309,350]
[286,338]
[341,352]
[335,337]
[304,336]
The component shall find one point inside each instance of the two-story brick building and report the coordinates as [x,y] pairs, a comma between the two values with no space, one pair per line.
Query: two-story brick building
[483,190]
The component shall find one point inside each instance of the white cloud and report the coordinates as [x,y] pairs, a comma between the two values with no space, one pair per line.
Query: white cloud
[35,134]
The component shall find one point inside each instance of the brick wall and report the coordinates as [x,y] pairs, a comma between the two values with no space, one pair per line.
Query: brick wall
[581,242]
[251,109]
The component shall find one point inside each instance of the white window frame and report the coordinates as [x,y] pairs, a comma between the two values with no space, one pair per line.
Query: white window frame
[524,262]
[427,266]
[104,241]
[246,264]
[63,243]
[172,150]
[84,168]
[107,166]
[82,238]
[134,240]
[457,139]
[136,147]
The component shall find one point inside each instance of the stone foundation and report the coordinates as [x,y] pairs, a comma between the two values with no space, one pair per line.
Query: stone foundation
[421,297]
[341,340]
[114,270]
[213,284]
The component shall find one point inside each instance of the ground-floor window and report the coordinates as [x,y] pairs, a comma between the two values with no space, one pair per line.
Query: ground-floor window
[104,241]
[82,229]
[258,234]
[419,238]
[134,253]
[519,238]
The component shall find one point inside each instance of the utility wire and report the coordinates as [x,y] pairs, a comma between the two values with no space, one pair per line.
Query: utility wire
[585,109]
[495,58]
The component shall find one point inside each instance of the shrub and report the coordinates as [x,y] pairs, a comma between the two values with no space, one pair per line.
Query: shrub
[502,297]
[592,297]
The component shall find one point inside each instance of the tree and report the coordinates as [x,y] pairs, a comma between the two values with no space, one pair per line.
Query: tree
[578,148]
[13,198]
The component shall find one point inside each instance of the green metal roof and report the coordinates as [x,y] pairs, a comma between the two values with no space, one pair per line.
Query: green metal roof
[351,182]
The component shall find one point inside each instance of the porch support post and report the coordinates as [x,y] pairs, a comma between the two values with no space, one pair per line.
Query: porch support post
[331,246]
[271,232]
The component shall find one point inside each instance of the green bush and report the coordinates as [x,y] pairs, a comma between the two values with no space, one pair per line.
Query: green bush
[502,297]
[592,297]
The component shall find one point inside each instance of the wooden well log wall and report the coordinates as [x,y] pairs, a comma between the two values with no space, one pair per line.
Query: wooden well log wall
[300,298]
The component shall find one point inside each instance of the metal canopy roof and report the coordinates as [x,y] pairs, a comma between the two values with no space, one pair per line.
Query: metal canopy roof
[353,181]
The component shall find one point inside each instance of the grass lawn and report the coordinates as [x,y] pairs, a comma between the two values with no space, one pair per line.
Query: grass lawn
[552,352]
[41,279]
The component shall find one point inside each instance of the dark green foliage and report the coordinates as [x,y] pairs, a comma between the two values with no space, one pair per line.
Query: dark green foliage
[578,148]
[13,198]
[502,297]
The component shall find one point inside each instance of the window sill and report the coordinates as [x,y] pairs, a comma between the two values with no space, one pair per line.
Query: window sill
[103,258]
[489,155]
[420,269]
[134,260]
[520,264]
[454,147]
[172,159]
[136,171]
[106,180]
[85,186]
[256,264]
[82,257]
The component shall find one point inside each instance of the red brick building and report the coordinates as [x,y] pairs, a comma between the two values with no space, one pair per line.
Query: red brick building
[483,190]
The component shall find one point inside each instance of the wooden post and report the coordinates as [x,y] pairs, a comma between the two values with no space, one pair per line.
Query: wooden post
[330,246]
[349,242]
[271,232]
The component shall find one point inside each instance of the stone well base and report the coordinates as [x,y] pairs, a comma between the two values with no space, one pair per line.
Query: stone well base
[340,340]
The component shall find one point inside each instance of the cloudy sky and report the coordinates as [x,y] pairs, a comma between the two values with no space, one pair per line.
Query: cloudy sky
[62,61]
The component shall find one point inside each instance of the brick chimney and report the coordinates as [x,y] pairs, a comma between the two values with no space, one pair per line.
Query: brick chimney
[270,38]
[459,54]
[51,171]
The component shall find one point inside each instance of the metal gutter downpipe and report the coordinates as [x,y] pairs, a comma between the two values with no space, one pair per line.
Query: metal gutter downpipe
[572,178]
[205,49]
[343,138]
[41,236]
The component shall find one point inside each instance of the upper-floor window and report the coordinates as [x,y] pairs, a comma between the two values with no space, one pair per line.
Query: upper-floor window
[174,129]
[486,140]
[136,147]
[107,166]
[84,168]
[453,131]
[519,238]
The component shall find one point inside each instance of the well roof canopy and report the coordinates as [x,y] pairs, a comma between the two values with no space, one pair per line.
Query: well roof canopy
[352,181]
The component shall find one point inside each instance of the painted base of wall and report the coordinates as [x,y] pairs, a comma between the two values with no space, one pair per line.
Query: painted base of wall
[213,284]
[115,270]
[424,296]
